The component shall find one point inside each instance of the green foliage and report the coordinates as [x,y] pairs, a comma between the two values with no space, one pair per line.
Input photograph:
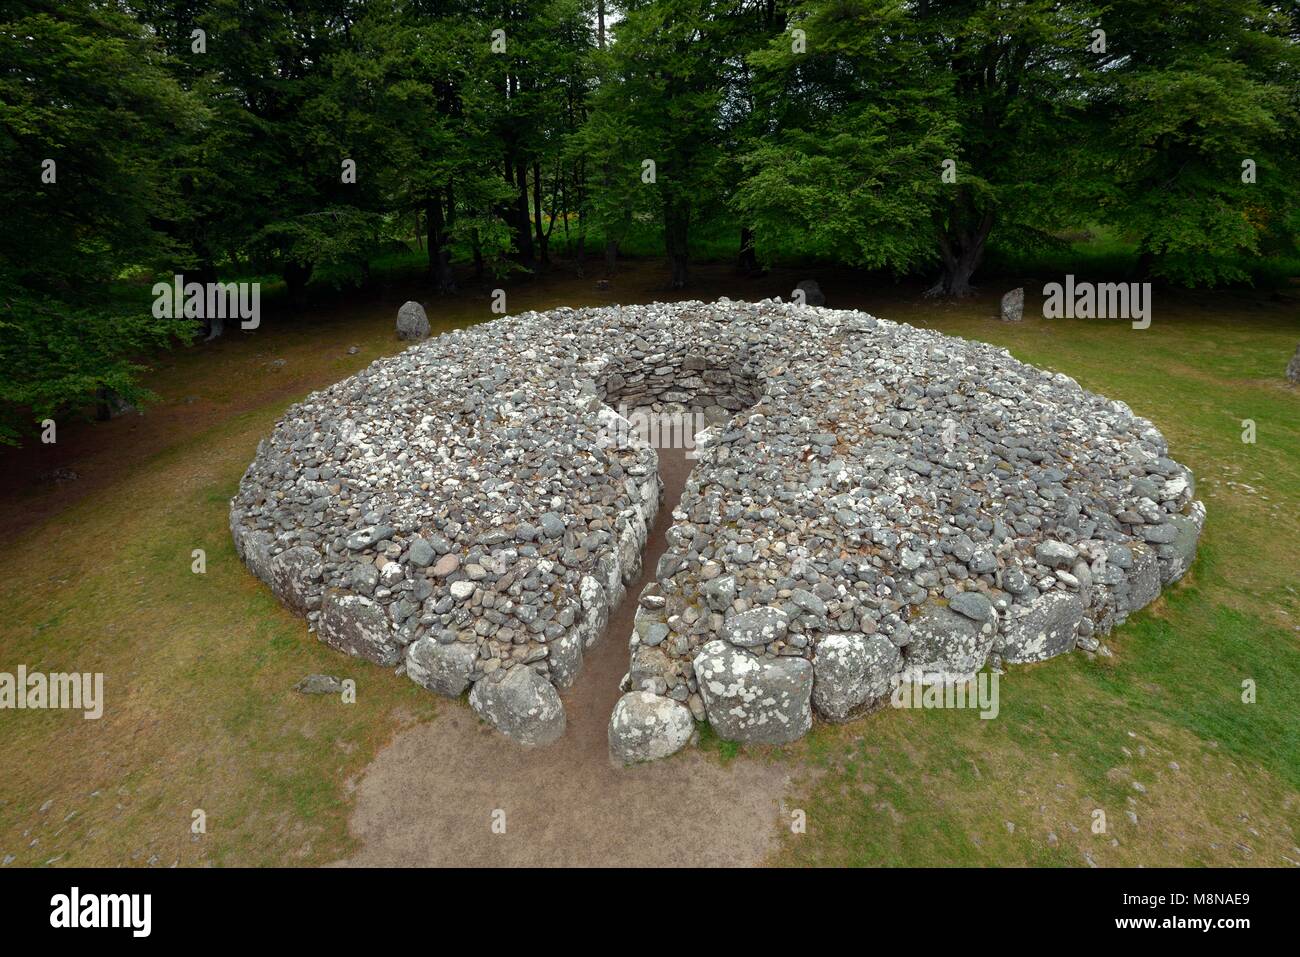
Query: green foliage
[852,175]
[85,86]
[1195,88]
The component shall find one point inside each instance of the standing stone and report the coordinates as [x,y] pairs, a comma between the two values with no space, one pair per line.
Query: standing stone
[1293,367]
[1013,305]
[754,700]
[646,727]
[812,292]
[523,706]
[412,323]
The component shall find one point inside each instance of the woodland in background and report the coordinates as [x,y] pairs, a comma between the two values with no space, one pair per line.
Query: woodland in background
[213,139]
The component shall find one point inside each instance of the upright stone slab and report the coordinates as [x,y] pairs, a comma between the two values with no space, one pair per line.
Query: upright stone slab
[946,645]
[444,669]
[293,573]
[1047,627]
[852,671]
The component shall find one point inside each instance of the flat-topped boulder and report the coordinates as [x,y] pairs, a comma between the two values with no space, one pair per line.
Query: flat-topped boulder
[868,498]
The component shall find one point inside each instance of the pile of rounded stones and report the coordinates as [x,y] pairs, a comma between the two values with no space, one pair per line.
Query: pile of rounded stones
[871,501]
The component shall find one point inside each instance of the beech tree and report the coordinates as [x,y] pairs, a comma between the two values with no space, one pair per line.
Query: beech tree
[663,102]
[1201,116]
[845,159]
[88,114]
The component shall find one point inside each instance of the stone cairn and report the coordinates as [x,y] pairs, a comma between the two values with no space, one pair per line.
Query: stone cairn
[871,500]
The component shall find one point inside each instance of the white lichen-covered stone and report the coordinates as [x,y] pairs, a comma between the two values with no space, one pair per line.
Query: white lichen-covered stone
[357,625]
[851,672]
[754,700]
[1045,628]
[947,646]
[758,626]
[565,657]
[442,668]
[1177,557]
[522,705]
[293,573]
[646,727]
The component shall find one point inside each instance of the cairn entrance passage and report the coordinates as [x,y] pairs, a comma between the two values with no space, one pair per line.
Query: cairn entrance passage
[871,501]
[671,401]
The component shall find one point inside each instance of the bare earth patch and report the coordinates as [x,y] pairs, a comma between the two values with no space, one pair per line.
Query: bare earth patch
[429,798]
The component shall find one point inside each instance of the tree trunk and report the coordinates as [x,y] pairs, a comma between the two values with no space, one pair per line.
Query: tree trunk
[556,191]
[541,237]
[478,258]
[962,251]
[611,245]
[562,185]
[748,261]
[581,256]
[213,326]
[296,276]
[676,232]
[523,226]
[440,273]
[954,280]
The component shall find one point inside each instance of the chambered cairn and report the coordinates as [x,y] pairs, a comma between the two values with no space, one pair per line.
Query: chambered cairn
[870,500]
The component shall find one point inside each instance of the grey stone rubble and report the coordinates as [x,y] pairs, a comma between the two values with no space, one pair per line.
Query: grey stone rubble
[869,499]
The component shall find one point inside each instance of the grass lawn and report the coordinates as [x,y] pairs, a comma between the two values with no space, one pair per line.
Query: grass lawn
[198,669]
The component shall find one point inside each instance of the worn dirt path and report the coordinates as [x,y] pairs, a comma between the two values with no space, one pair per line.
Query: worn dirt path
[430,796]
